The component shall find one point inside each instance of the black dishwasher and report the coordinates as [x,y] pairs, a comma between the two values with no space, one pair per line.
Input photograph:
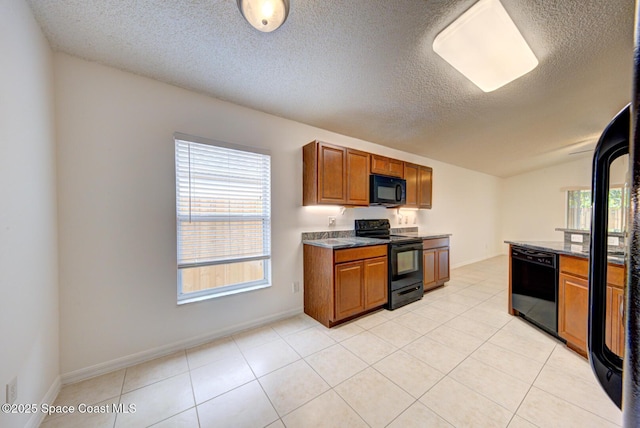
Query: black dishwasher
[534,287]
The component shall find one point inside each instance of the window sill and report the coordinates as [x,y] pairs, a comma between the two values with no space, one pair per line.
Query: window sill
[187,300]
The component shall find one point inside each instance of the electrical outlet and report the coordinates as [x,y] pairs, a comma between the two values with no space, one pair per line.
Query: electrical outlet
[12,391]
[332,220]
[295,287]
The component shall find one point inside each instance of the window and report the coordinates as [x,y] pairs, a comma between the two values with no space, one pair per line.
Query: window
[579,209]
[223,211]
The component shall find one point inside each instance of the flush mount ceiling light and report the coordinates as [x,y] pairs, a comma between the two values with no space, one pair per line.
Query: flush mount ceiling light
[485,46]
[264,15]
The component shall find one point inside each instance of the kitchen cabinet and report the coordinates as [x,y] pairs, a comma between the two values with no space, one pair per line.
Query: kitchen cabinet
[614,321]
[357,177]
[349,289]
[334,175]
[344,283]
[614,328]
[387,166]
[435,262]
[573,304]
[419,185]
[425,175]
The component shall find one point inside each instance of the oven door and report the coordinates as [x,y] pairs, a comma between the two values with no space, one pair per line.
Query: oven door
[406,265]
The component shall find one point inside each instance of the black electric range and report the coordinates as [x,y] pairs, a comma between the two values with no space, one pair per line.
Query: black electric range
[405,261]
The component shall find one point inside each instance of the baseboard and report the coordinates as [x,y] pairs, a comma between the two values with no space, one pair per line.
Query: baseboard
[140,357]
[480,259]
[36,419]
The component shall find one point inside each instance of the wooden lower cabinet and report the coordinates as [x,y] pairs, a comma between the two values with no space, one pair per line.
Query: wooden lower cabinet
[435,262]
[614,338]
[349,289]
[376,280]
[573,304]
[342,284]
[573,298]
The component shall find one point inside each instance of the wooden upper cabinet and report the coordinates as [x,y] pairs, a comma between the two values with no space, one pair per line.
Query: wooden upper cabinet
[334,175]
[425,176]
[387,166]
[324,173]
[332,186]
[411,177]
[419,185]
[357,177]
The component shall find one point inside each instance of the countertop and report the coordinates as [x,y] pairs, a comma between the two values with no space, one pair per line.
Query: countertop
[354,241]
[586,232]
[566,249]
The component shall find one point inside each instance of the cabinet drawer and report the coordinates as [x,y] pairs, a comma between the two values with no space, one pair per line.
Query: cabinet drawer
[350,254]
[615,275]
[574,266]
[428,244]
[580,267]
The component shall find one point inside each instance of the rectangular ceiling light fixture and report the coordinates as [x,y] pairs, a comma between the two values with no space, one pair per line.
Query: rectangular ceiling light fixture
[485,46]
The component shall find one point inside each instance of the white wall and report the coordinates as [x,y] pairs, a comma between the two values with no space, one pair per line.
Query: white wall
[28,242]
[117,214]
[534,203]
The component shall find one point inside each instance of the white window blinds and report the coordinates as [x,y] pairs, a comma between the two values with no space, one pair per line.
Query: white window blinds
[222,203]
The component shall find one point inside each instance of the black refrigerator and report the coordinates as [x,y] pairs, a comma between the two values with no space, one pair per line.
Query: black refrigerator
[620,378]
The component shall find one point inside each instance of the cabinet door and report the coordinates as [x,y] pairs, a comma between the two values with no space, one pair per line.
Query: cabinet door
[357,177]
[429,268]
[349,289]
[332,188]
[615,320]
[375,282]
[573,303]
[379,165]
[424,187]
[411,176]
[443,264]
[396,168]
[386,166]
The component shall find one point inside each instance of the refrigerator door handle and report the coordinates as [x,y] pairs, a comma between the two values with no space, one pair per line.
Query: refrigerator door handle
[606,365]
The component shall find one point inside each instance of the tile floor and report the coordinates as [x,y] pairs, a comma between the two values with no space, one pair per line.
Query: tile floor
[455,358]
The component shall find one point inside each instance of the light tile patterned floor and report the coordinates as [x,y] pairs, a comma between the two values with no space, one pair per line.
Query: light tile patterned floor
[455,358]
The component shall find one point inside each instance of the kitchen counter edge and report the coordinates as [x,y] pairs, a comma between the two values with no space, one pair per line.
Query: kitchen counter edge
[353,242]
[561,248]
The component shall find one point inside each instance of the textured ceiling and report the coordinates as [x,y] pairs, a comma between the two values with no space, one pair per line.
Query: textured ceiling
[365,68]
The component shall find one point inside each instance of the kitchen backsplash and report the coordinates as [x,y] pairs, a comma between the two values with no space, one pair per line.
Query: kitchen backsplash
[582,238]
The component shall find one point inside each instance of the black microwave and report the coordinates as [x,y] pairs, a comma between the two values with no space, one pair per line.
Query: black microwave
[388,191]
